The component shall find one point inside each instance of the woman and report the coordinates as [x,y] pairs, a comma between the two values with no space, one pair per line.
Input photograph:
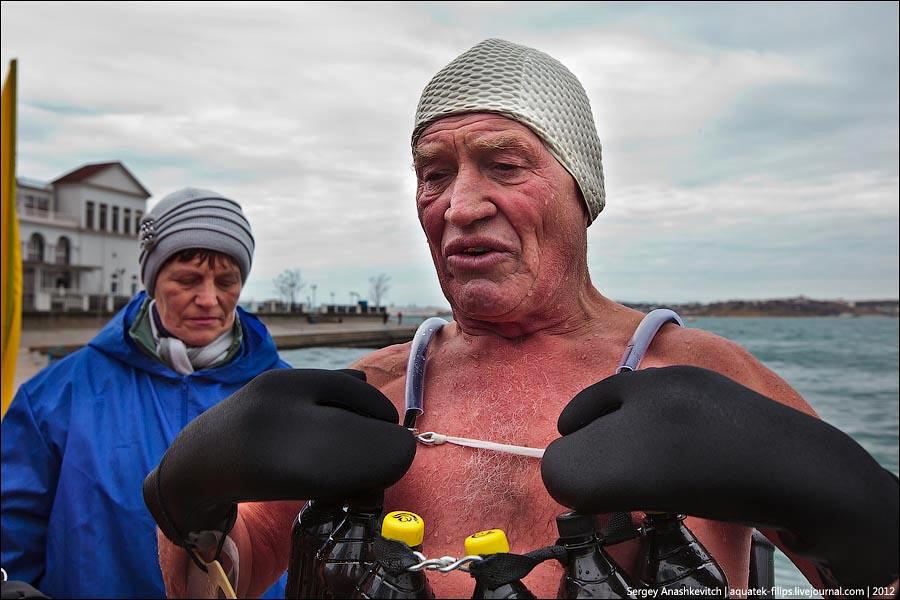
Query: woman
[80,436]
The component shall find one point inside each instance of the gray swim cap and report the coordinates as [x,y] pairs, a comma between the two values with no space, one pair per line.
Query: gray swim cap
[529,87]
[193,218]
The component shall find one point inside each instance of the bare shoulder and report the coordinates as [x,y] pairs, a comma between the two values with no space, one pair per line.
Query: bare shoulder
[384,367]
[699,348]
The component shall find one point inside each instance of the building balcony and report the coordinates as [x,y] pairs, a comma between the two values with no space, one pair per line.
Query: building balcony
[65,299]
[48,217]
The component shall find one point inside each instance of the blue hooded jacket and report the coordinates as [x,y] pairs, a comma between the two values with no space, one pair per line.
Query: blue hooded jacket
[78,440]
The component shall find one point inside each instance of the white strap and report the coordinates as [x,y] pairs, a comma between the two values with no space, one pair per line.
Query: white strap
[431,438]
[216,582]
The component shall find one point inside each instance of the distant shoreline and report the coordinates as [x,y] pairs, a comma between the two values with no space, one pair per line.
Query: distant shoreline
[757,315]
[800,306]
[790,307]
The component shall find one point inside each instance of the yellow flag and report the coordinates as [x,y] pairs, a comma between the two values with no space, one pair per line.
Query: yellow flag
[11,306]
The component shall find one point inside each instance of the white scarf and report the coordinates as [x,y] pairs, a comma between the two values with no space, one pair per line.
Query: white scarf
[186,359]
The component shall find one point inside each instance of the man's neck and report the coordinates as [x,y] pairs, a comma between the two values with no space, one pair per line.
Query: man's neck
[560,319]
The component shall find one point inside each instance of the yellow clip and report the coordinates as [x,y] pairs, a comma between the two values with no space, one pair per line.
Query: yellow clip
[219,582]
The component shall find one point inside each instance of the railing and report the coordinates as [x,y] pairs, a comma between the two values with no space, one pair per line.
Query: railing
[46,215]
[65,299]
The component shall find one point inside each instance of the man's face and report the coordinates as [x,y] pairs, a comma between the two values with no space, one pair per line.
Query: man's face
[504,220]
[196,302]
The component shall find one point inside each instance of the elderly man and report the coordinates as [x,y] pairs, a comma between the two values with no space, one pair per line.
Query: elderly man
[81,435]
[509,177]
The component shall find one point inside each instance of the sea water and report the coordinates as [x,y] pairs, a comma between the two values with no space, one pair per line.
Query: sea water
[847,369]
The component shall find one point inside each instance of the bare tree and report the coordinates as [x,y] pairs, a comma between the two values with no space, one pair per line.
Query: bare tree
[379,288]
[289,284]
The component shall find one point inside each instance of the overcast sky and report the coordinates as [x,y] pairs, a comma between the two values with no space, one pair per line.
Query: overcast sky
[750,149]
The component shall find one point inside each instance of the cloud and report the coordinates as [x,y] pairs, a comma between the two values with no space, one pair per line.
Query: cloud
[719,121]
[752,239]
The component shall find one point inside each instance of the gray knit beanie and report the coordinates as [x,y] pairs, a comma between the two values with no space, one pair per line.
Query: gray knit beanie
[193,218]
[529,87]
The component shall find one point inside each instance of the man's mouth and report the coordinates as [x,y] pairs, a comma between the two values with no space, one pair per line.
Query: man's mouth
[473,247]
[475,254]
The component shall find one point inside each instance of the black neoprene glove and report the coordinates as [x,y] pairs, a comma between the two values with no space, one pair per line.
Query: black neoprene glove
[688,440]
[291,434]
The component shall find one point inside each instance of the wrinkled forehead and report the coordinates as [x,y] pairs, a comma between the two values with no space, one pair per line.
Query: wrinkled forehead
[493,131]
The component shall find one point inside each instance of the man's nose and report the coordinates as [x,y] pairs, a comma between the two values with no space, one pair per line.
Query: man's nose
[470,200]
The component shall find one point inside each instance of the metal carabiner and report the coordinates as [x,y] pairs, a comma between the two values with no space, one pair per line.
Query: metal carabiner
[430,438]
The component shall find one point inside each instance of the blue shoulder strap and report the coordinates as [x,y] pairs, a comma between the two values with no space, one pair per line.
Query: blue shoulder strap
[415,367]
[643,335]
[415,370]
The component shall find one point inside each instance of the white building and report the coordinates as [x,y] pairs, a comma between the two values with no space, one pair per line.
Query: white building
[79,239]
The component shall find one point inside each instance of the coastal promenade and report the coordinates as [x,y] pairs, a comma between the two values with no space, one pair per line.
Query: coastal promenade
[36,345]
